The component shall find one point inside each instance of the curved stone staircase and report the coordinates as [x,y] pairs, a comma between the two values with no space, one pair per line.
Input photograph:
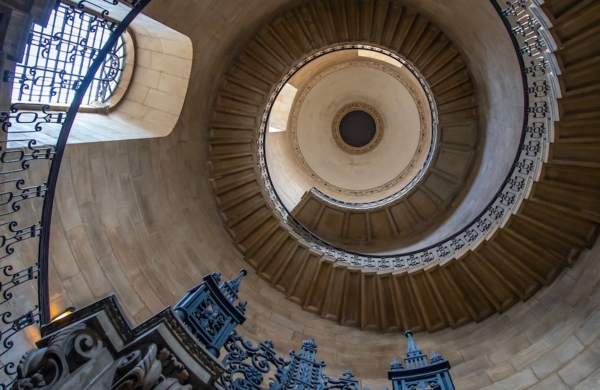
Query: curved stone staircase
[558,219]
[137,218]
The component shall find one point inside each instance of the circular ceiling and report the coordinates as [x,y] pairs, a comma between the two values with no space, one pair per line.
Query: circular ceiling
[388,156]
[388,183]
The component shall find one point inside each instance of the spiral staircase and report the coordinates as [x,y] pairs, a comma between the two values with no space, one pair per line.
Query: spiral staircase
[548,232]
[136,218]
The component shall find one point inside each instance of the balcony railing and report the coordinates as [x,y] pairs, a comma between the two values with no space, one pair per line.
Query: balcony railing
[534,46]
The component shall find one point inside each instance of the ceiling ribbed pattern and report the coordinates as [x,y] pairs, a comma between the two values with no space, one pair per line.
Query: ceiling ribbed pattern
[547,233]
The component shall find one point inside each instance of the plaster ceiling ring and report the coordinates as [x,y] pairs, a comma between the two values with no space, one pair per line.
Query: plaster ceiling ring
[336,128]
[420,149]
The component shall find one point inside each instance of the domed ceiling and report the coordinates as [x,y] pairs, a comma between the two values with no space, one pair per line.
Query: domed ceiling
[363,198]
[400,142]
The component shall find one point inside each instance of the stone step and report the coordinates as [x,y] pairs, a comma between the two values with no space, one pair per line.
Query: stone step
[545,235]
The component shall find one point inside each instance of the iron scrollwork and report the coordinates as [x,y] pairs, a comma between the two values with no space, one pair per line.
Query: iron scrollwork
[246,368]
[36,138]
[208,310]
[57,57]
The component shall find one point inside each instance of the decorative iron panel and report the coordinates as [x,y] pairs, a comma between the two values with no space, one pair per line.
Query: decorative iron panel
[58,56]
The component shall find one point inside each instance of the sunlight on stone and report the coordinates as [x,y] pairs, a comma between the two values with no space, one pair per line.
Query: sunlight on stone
[281,109]
[379,56]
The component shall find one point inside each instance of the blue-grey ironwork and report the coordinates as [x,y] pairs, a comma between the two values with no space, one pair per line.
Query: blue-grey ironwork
[209,312]
[29,140]
[418,372]
[246,367]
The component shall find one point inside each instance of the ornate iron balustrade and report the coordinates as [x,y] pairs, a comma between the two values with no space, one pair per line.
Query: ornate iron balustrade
[209,313]
[528,29]
[208,310]
[38,139]
[246,368]
[247,365]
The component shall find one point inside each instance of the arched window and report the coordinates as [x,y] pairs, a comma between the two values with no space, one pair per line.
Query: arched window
[138,92]
[57,57]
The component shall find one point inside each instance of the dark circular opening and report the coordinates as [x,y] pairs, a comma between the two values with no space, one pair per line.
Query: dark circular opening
[357,128]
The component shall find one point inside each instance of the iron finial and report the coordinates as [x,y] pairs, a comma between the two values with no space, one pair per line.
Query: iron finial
[310,343]
[231,288]
[235,283]
[435,357]
[395,364]
[412,346]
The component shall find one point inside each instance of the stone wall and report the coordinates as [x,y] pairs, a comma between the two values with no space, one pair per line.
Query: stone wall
[155,83]
[138,218]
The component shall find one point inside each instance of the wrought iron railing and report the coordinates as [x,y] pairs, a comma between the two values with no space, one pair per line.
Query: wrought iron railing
[26,194]
[58,56]
[528,29]
[209,313]
[247,368]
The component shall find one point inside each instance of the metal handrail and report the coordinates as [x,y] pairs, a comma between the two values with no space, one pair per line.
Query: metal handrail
[44,246]
[18,151]
[524,22]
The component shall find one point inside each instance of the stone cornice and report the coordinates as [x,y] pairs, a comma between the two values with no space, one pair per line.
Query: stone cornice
[421,147]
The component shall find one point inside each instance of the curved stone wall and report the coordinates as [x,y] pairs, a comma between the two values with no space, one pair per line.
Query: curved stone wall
[138,218]
[136,227]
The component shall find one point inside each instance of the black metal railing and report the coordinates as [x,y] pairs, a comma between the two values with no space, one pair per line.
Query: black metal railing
[58,56]
[534,47]
[31,151]
[249,367]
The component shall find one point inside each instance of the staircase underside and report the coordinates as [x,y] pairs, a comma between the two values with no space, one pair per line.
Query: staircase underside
[548,232]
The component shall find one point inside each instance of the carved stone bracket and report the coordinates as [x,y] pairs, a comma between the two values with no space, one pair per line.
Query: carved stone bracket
[149,368]
[97,348]
[66,351]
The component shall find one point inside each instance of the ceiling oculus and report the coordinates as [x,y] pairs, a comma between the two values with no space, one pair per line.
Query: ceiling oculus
[357,128]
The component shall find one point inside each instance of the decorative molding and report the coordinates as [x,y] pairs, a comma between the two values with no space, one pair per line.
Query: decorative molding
[112,308]
[413,162]
[357,106]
